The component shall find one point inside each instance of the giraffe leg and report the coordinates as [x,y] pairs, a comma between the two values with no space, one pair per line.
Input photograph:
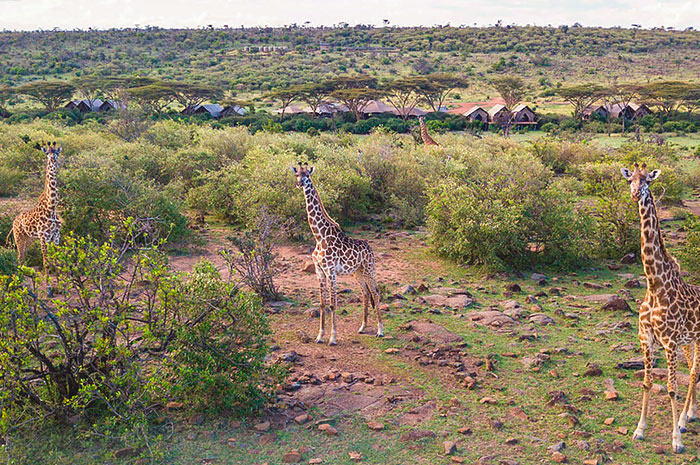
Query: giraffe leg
[672,357]
[374,294]
[332,281]
[688,412]
[324,302]
[365,302]
[44,254]
[648,365]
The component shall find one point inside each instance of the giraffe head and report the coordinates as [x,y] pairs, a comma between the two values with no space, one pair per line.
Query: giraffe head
[421,120]
[639,181]
[51,151]
[303,174]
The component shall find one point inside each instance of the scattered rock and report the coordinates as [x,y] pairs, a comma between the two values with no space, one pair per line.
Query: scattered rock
[531,299]
[262,426]
[127,452]
[609,421]
[660,449]
[537,277]
[315,461]
[622,430]
[308,267]
[292,456]
[466,431]
[541,319]
[174,405]
[392,350]
[631,365]
[616,303]
[313,312]
[355,456]
[488,400]
[289,357]
[591,462]
[513,287]
[328,429]
[512,441]
[493,318]
[301,419]
[558,447]
[559,457]
[590,285]
[405,290]
[632,284]
[593,370]
[458,301]
[450,447]
[375,425]
[629,259]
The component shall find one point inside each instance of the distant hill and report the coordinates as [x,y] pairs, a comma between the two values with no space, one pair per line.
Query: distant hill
[257,59]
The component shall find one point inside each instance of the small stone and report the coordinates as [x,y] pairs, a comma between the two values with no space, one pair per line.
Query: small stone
[392,350]
[488,400]
[616,303]
[632,284]
[347,377]
[466,431]
[291,457]
[559,457]
[315,461]
[262,426]
[512,441]
[328,429]
[267,439]
[126,452]
[629,259]
[611,395]
[558,447]
[375,425]
[450,447]
[622,430]
[355,456]
[593,370]
[660,449]
[455,459]
[174,405]
[609,421]
[513,287]
[531,299]
[591,462]
[308,267]
[301,419]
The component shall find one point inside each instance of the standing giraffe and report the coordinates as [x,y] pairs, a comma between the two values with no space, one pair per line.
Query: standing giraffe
[337,254]
[670,313]
[427,140]
[42,221]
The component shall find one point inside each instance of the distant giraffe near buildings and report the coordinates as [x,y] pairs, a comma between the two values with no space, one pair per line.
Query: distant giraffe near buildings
[41,222]
[427,140]
[337,254]
[669,316]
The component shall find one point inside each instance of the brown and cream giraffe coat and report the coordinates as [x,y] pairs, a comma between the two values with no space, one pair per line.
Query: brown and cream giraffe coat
[42,222]
[669,316]
[427,140]
[337,254]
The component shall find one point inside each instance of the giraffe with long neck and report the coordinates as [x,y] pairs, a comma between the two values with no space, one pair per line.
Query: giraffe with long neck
[42,222]
[669,316]
[337,254]
[427,140]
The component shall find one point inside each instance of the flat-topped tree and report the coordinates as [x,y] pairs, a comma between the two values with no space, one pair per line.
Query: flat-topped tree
[666,96]
[435,88]
[355,92]
[6,96]
[154,97]
[404,94]
[581,96]
[191,95]
[512,91]
[51,94]
[286,96]
[88,88]
[315,94]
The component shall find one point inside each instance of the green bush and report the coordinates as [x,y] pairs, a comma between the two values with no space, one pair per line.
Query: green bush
[506,213]
[8,261]
[104,351]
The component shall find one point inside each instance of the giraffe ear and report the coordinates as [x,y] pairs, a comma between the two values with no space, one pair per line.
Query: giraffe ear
[311,170]
[627,174]
[294,169]
[45,150]
[653,175]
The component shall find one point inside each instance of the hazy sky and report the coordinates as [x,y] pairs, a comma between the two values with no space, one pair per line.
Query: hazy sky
[70,14]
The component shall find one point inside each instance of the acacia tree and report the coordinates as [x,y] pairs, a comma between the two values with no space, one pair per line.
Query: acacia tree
[404,94]
[315,94]
[624,94]
[581,96]
[355,92]
[435,88]
[691,100]
[51,94]
[512,91]
[153,97]
[191,95]
[286,97]
[88,88]
[666,96]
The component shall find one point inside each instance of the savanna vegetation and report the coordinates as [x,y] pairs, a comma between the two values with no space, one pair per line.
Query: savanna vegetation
[178,333]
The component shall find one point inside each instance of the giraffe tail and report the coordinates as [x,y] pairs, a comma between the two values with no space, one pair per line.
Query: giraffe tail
[7,239]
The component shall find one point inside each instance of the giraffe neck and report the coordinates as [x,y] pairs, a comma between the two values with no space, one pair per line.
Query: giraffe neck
[658,264]
[423,130]
[321,224]
[50,195]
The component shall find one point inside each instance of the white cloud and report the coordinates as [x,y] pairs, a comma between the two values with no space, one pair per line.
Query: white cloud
[69,14]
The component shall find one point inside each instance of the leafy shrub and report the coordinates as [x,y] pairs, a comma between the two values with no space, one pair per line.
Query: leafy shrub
[102,350]
[689,252]
[616,223]
[506,213]
[8,261]
[10,180]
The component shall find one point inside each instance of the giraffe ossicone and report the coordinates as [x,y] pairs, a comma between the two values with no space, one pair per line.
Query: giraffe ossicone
[669,316]
[42,222]
[337,254]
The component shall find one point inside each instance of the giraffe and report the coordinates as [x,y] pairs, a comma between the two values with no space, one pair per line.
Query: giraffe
[42,222]
[669,316]
[337,254]
[427,140]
